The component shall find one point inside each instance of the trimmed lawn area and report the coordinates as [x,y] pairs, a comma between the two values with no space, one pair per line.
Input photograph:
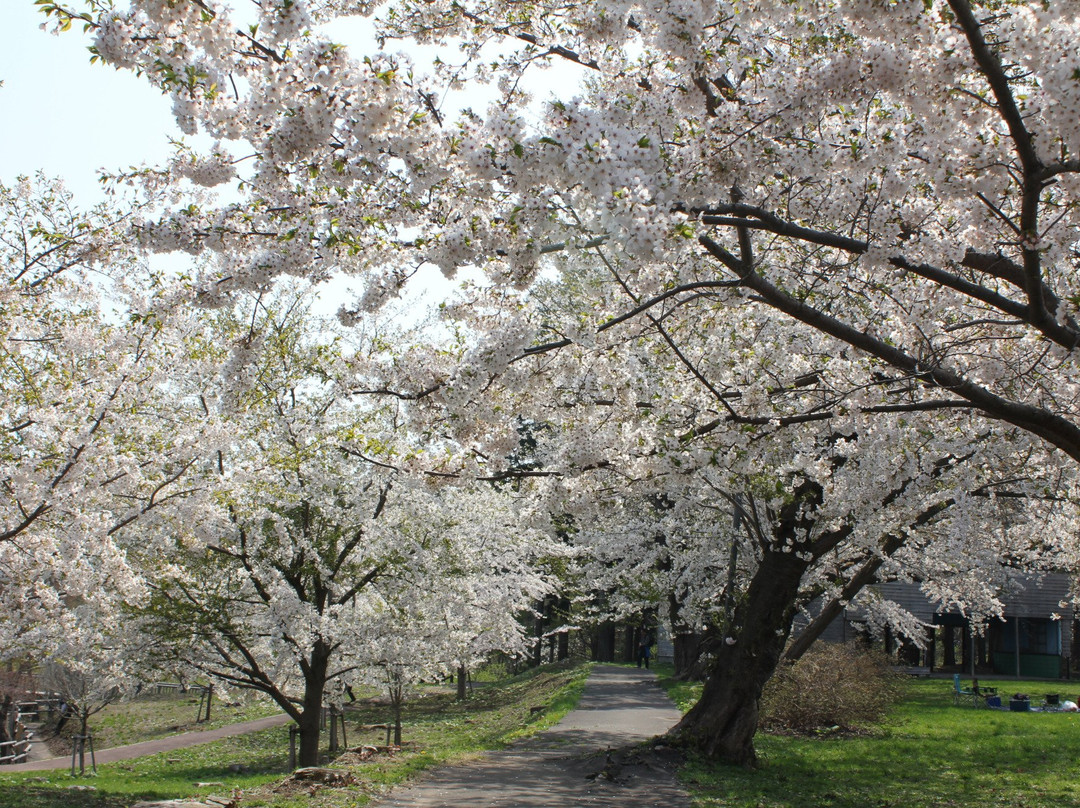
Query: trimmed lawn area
[927,752]
[436,730]
[155,715]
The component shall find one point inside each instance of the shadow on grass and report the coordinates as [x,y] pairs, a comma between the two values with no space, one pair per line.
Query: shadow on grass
[929,753]
[436,729]
[239,762]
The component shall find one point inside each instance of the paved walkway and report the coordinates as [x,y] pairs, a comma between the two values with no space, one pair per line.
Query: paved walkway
[590,759]
[168,744]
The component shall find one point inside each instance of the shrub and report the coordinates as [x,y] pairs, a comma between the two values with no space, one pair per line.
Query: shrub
[833,686]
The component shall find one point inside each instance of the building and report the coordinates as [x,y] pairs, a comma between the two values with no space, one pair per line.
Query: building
[1034,637]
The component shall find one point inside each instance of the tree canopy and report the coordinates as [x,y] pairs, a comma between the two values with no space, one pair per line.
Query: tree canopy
[818,258]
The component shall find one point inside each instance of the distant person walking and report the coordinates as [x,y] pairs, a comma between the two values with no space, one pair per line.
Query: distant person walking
[644,651]
[65,714]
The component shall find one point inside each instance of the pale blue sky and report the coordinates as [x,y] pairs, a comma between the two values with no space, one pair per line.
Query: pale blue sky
[60,114]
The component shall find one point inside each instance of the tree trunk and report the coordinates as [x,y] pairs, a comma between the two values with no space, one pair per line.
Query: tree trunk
[687,649]
[310,734]
[564,636]
[5,711]
[686,642]
[722,724]
[630,645]
[537,655]
[462,683]
[397,717]
[309,721]
[605,643]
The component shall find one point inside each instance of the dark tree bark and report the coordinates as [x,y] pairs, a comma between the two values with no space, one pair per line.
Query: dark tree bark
[687,643]
[462,683]
[397,701]
[6,709]
[564,607]
[308,720]
[687,651]
[723,722]
[630,643]
[604,648]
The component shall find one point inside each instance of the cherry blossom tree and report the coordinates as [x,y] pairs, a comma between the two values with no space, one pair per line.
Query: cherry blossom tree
[92,443]
[91,670]
[312,531]
[823,508]
[897,177]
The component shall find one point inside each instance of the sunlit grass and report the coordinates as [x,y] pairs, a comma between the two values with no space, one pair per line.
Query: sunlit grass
[437,730]
[928,752]
[158,715]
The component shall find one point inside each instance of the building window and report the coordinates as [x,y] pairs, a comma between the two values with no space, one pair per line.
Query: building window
[1038,635]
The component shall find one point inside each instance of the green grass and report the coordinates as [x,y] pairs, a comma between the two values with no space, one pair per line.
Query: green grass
[437,730]
[158,715]
[242,762]
[927,752]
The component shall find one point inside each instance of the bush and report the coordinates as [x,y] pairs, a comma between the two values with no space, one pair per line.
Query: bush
[833,687]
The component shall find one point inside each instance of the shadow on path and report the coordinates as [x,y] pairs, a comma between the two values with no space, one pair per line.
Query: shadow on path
[590,758]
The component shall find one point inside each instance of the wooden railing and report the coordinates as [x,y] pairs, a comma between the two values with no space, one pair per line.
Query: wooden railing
[16,751]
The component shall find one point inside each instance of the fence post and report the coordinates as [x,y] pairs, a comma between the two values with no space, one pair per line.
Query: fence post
[293,731]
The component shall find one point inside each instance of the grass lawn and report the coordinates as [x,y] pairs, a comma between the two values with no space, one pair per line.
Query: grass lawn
[436,729]
[155,715]
[927,752]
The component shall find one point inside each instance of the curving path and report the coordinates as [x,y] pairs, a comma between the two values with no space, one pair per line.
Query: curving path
[135,750]
[590,758]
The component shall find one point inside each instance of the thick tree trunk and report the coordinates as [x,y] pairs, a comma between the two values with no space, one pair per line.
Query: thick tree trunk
[564,636]
[630,643]
[310,734]
[686,642]
[687,650]
[722,724]
[5,712]
[604,650]
[309,719]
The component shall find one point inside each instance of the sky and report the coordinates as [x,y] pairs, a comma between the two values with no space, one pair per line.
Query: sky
[70,119]
[66,117]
